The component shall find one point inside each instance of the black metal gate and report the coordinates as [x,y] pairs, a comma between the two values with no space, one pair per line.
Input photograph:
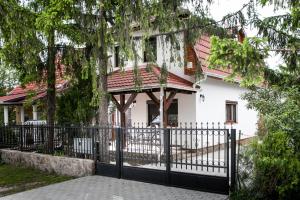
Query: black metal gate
[195,158]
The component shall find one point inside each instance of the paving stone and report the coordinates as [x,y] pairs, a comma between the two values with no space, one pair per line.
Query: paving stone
[105,188]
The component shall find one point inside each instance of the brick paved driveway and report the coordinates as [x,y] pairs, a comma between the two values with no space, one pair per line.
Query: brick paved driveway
[99,187]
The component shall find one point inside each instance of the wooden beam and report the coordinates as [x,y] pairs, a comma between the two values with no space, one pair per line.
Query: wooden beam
[169,100]
[122,103]
[129,102]
[153,98]
[165,113]
[114,100]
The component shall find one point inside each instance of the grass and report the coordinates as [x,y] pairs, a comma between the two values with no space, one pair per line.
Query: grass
[16,179]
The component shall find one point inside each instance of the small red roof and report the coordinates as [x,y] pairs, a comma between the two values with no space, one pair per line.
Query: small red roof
[150,79]
[19,93]
[202,50]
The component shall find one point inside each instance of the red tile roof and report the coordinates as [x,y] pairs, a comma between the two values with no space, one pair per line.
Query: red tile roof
[149,77]
[202,50]
[19,93]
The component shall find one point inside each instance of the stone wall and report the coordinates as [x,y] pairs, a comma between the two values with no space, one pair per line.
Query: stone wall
[54,164]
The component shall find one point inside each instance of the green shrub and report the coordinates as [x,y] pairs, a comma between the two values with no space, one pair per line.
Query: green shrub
[272,169]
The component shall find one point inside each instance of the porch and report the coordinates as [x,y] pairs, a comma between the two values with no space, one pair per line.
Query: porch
[151,100]
[24,100]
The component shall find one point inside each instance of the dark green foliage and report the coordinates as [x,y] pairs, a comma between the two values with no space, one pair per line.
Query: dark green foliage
[270,167]
[273,169]
[73,105]
[7,82]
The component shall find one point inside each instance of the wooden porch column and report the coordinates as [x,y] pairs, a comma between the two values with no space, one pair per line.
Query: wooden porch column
[5,115]
[122,107]
[164,104]
[122,104]
[165,111]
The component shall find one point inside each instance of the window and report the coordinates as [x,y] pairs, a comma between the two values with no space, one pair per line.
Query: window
[150,50]
[153,113]
[231,111]
[117,56]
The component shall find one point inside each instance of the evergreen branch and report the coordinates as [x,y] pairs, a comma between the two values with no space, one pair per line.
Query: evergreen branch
[212,23]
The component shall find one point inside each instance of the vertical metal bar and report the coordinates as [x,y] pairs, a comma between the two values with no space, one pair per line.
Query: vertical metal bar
[151,144]
[196,132]
[139,143]
[176,146]
[226,152]
[181,147]
[213,146]
[233,159]
[238,153]
[21,137]
[191,159]
[160,143]
[207,133]
[93,143]
[143,143]
[168,155]
[106,142]
[119,151]
[186,146]
[219,149]
[201,146]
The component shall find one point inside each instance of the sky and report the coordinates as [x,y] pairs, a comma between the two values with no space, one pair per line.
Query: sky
[220,8]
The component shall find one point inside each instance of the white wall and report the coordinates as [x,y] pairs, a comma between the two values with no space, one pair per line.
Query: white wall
[164,54]
[216,93]
[140,110]
[192,109]
[186,108]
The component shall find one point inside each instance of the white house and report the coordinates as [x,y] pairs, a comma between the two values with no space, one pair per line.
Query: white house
[184,100]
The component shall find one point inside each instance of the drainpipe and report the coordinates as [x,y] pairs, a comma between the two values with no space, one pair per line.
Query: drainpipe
[200,81]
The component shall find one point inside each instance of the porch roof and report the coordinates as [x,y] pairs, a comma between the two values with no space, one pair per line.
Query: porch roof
[19,93]
[149,76]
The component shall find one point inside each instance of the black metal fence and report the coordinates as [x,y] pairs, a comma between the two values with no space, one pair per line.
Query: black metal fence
[67,141]
[191,148]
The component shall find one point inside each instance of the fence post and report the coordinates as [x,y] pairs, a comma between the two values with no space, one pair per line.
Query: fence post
[2,136]
[233,160]
[168,155]
[21,137]
[93,146]
[119,148]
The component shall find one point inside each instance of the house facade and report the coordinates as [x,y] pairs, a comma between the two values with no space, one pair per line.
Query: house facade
[208,100]
[181,99]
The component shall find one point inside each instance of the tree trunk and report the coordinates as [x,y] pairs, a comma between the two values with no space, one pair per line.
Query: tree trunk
[102,68]
[51,101]
[103,106]
[102,87]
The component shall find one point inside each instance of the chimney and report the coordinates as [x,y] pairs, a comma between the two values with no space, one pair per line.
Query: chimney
[241,35]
